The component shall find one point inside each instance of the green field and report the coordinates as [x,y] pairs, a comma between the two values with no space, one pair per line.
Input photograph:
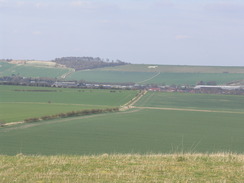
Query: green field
[4,67]
[110,76]
[193,101]
[143,131]
[194,78]
[158,123]
[148,130]
[175,69]
[18,103]
[154,77]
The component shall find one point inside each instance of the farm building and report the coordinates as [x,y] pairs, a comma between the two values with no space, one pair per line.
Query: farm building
[154,89]
[223,87]
[68,84]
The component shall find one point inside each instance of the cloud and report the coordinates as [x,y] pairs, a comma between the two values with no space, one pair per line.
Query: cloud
[182,37]
[40,5]
[37,33]
[23,5]
[225,7]
[164,3]
[105,21]
[81,4]
[4,3]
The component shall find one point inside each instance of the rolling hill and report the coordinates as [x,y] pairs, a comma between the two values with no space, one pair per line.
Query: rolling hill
[90,69]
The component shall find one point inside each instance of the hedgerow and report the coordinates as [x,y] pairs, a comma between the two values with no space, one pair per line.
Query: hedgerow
[71,114]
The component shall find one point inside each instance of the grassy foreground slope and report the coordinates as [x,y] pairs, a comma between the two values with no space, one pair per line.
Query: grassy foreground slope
[18,102]
[123,168]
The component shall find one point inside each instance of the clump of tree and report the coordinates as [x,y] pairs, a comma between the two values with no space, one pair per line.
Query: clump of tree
[6,60]
[72,114]
[82,63]
[212,83]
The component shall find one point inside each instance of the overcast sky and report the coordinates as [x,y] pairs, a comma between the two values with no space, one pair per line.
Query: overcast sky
[177,32]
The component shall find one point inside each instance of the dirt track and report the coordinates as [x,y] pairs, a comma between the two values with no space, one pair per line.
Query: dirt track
[185,109]
[130,104]
[149,78]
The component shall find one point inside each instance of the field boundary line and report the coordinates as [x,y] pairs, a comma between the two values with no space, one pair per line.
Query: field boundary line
[46,103]
[149,78]
[60,120]
[67,73]
[190,110]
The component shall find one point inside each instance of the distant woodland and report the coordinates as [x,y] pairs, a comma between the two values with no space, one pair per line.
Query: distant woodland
[82,63]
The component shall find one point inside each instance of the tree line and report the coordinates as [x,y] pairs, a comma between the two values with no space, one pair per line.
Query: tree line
[71,114]
[82,63]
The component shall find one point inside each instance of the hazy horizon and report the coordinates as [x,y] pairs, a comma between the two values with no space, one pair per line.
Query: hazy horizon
[164,32]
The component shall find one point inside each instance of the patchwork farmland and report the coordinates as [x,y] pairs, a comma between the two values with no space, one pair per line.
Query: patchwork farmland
[157,123]
[182,128]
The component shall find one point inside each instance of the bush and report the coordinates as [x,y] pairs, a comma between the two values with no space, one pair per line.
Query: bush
[30,120]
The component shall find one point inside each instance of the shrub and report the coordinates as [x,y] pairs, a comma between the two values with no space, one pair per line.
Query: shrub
[30,120]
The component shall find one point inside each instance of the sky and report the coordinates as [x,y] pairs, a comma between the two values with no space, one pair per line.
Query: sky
[167,32]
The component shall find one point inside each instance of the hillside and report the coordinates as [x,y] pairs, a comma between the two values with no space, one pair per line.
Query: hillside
[123,168]
[175,69]
[96,70]
[33,69]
